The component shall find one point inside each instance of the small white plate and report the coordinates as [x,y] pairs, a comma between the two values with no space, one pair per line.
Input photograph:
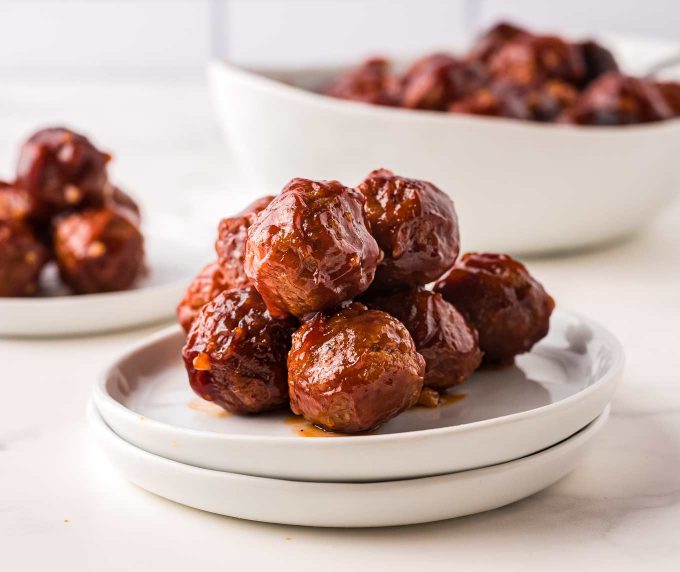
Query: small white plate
[345,504]
[172,263]
[561,386]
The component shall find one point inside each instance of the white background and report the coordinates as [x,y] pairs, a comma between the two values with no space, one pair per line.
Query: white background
[174,38]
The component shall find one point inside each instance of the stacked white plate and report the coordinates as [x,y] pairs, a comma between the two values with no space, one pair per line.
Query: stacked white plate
[502,436]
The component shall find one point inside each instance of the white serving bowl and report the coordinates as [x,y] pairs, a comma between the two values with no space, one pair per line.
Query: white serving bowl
[519,187]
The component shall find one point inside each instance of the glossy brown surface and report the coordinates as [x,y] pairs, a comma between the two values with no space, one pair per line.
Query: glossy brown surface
[18,204]
[434,81]
[62,169]
[353,370]
[118,200]
[488,44]
[416,227]
[615,99]
[235,354]
[530,60]
[441,334]
[371,82]
[22,257]
[513,73]
[208,284]
[231,242]
[98,250]
[310,249]
[497,295]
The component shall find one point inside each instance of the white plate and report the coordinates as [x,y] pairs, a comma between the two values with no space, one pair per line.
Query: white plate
[519,187]
[172,263]
[345,504]
[558,388]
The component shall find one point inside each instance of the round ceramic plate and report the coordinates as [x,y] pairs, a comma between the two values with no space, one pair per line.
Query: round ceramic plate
[172,263]
[345,504]
[496,416]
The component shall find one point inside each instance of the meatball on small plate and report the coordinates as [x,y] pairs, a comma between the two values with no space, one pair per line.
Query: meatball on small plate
[352,370]
[105,277]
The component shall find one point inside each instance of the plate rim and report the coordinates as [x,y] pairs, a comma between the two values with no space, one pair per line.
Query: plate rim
[102,398]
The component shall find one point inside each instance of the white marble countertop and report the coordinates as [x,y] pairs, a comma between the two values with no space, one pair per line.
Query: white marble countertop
[62,506]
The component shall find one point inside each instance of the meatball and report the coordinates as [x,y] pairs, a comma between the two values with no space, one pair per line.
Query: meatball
[231,242]
[353,370]
[597,59]
[549,100]
[615,99]
[495,100]
[490,43]
[22,258]
[434,81]
[98,251]
[208,284]
[497,295]
[371,82]
[310,249]
[441,334]
[671,93]
[531,60]
[118,200]
[18,204]
[235,354]
[62,169]
[415,225]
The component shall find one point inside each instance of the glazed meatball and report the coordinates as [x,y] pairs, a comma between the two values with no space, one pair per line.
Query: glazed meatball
[22,258]
[597,59]
[310,249]
[415,225]
[495,100]
[497,295]
[546,102]
[531,60]
[116,199]
[433,82]
[490,43]
[17,204]
[353,370]
[208,284]
[231,242]
[98,251]
[62,169]
[235,354]
[371,82]
[615,99]
[441,334]
[671,93]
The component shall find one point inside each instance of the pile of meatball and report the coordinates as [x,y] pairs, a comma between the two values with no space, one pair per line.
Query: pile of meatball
[511,72]
[62,206]
[318,300]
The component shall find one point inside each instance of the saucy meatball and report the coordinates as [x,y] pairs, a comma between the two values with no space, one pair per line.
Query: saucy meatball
[597,59]
[495,101]
[231,242]
[62,169]
[491,42]
[671,93]
[353,370]
[415,225]
[116,199]
[371,82]
[615,99]
[441,334]
[549,100]
[18,204]
[235,354]
[500,299]
[98,251]
[530,60]
[208,284]
[434,81]
[310,249]
[22,258]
